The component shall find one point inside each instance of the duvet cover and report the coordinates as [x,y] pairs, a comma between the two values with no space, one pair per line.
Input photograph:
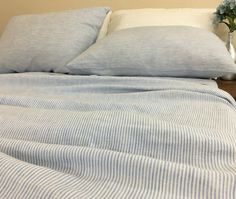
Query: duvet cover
[64,136]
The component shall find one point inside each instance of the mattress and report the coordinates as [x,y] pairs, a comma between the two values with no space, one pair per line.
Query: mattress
[65,136]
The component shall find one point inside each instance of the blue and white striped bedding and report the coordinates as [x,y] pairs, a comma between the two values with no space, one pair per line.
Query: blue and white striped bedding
[67,136]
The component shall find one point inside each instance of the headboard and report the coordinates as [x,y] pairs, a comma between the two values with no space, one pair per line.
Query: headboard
[11,8]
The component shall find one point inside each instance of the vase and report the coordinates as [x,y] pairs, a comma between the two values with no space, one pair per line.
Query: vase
[230,48]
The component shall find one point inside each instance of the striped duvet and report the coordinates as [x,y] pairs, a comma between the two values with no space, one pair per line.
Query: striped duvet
[115,137]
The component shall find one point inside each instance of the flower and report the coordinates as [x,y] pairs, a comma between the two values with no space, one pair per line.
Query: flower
[226,13]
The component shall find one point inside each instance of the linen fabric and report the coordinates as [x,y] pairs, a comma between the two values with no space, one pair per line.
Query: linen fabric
[176,51]
[47,42]
[67,136]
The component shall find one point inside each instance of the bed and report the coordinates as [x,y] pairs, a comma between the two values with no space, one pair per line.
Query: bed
[115,136]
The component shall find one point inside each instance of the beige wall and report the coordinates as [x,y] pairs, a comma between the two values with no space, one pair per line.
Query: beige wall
[9,8]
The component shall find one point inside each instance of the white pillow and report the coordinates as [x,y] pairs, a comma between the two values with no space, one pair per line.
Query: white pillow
[122,19]
[104,28]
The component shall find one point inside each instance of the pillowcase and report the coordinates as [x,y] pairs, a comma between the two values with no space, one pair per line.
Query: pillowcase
[104,28]
[123,19]
[175,51]
[194,17]
[47,42]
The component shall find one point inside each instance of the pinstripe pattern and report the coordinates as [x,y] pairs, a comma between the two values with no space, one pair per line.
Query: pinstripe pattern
[115,137]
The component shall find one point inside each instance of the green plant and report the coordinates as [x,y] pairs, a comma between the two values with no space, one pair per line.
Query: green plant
[226,13]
